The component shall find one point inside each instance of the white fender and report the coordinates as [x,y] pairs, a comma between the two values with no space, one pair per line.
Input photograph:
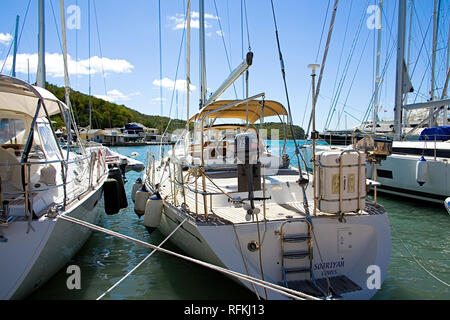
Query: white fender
[153,212]
[422,171]
[447,204]
[136,186]
[141,200]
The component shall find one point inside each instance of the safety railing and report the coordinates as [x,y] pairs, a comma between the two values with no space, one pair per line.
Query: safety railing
[87,172]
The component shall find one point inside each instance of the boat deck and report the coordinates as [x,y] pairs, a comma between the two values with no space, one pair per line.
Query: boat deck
[339,285]
[223,208]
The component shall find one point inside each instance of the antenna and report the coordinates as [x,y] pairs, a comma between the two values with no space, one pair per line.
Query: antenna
[314,133]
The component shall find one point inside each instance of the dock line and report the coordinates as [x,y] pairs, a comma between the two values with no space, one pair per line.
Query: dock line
[415,259]
[140,263]
[293,294]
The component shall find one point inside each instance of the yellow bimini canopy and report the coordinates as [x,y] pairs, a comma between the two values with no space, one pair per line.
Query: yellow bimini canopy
[220,110]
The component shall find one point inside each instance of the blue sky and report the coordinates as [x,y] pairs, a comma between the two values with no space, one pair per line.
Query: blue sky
[130,68]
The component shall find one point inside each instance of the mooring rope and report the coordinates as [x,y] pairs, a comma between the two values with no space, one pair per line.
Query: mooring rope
[417,261]
[140,263]
[293,294]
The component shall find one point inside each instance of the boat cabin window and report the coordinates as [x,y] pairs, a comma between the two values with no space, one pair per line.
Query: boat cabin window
[48,141]
[12,131]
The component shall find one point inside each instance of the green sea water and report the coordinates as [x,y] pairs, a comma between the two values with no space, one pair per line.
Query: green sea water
[420,246]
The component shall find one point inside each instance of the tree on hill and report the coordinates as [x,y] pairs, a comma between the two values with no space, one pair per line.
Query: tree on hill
[111,115]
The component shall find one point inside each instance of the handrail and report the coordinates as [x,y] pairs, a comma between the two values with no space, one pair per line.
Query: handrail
[27,190]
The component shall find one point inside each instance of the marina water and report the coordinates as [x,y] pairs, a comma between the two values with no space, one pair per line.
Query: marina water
[420,246]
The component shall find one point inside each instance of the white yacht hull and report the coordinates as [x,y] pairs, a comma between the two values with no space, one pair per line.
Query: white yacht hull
[347,248]
[398,177]
[30,259]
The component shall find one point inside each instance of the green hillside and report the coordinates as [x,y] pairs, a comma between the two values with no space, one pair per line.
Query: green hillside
[111,115]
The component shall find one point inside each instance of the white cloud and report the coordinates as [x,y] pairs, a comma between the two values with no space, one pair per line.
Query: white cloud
[179,20]
[219,33]
[179,85]
[5,38]
[54,65]
[159,99]
[117,96]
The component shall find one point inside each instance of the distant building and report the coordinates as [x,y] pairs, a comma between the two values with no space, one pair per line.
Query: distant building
[131,133]
[88,134]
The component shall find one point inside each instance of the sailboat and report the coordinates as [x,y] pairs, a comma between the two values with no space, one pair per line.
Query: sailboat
[245,208]
[418,164]
[417,169]
[39,183]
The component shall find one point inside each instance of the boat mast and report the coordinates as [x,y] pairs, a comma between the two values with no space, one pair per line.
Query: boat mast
[66,76]
[377,79]
[188,60]
[89,67]
[448,70]
[433,57]
[399,77]
[409,43]
[13,70]
[40,77]
[202,56]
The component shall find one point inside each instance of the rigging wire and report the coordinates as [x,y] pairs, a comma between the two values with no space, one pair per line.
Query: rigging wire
[89,63]
[56,27]
[324,59]
[7,55]
[20,35]
[142,262]
[355,74]
[317,56]
[339,63]
[160,57]
[246,26]
[274,287]
[174,86]
[302,181]
[348,62]
[225,46]
[101,59]
[389,53]
[417,261]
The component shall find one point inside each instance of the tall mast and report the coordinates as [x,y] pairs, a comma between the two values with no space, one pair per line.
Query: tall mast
[13,70]
[64,47]
[433,57]
[399,78]
[66,76]
[160,60]
[40,77]
[448,69]
[188,59]
[202,55]
[377,79]
[408,58]
[89,67]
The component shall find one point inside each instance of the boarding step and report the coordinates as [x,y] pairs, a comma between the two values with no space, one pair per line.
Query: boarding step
[297,270]
[338,285]
[296,254]
[296,238]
